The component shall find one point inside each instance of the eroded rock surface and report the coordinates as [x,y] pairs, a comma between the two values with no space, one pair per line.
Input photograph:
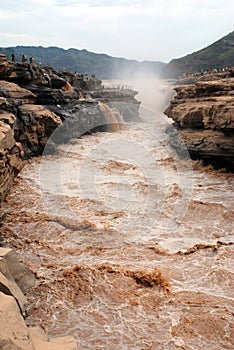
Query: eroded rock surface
[203,113]
[35,101]
[11,157]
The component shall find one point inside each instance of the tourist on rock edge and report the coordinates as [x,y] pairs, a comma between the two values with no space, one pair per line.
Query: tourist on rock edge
[24,58]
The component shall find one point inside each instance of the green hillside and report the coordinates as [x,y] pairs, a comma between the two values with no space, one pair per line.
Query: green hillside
[83,61]
[218,55]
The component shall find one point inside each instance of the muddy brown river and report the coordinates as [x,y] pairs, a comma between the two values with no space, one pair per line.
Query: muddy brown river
[132,247]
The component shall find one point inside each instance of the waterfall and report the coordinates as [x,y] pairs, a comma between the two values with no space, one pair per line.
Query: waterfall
[118,116]
[113,117]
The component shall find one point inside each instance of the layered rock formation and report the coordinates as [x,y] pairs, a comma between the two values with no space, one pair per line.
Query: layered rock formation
[11,154]
[203,113]
[35,101]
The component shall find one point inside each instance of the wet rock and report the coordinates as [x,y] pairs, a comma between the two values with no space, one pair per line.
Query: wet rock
[203,114]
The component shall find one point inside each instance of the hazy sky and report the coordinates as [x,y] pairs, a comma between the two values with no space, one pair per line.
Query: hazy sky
[143,30]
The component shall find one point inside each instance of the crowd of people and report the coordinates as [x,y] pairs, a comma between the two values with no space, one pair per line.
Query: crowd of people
[207,71]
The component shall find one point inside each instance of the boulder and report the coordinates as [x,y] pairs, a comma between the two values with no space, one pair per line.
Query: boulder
[14,334]
[57,83]
[9,287]
[4,66]
[7,140]
[34,127]
[41,342]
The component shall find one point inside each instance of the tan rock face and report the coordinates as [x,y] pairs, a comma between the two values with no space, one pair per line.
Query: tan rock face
[13,91]
[11,154]
[24,130]
[204,116]
[36,125]
[4,66]
[14,333]
[41,342]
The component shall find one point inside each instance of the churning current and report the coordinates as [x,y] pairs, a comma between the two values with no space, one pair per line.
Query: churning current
[131,246]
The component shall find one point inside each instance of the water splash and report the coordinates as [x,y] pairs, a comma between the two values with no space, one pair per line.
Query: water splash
[112,117]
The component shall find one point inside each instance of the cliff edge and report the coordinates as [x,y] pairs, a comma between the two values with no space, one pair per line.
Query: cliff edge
[40,108]
[203,114]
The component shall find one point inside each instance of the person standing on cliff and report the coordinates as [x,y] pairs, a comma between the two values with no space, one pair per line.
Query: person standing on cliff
[24,58]
[13,57]
[31,59]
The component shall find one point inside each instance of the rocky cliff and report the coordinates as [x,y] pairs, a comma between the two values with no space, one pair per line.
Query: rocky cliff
[203,113]
[38,104]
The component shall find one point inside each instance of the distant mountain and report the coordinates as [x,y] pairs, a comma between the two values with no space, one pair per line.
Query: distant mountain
[83,61]
[218,55]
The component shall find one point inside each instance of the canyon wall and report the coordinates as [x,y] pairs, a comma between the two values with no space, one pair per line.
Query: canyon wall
[38,104]
[203,115]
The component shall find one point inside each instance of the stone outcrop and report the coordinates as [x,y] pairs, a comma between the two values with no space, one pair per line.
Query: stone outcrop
[11,154]
[24,130]
[203,114]
[33,128]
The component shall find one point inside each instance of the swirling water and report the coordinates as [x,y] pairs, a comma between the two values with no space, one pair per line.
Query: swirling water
[131,246]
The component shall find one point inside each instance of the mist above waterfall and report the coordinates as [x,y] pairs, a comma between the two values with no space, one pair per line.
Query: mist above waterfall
[153,93]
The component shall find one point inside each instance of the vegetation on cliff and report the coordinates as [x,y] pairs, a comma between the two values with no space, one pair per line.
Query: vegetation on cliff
[218,55]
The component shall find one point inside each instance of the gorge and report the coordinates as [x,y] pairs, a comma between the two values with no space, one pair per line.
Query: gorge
[125,245]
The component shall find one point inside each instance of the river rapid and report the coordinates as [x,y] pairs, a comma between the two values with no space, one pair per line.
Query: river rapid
[131,246]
